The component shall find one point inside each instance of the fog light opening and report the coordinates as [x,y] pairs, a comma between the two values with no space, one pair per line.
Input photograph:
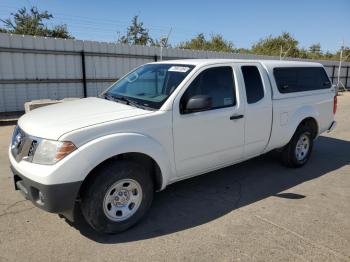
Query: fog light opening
[40,200]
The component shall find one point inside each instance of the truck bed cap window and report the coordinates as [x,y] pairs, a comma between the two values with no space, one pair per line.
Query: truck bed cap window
[300,79]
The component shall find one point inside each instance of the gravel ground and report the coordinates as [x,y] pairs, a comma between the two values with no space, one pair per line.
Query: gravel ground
[256,210]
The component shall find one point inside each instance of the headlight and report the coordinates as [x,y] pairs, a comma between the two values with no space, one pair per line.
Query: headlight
[49,152]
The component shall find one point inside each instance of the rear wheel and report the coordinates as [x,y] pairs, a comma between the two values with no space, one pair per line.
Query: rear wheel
[297,152]
[117,197]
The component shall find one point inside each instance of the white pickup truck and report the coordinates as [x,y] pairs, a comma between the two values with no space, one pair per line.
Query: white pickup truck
[162,123]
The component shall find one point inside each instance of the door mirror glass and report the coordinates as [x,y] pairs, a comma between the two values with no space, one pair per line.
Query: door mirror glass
[198,103]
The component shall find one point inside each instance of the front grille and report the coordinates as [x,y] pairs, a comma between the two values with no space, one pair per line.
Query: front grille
[22,146]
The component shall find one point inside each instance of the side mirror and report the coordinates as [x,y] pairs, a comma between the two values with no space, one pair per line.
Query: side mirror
[198,103]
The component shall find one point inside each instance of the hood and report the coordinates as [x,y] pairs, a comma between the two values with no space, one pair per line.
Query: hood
[53,121]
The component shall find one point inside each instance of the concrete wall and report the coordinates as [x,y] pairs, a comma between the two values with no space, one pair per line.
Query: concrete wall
[37,68]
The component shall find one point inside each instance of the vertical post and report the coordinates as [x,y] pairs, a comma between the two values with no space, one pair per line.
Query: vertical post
[155,58]
[340,60]
[83,73]
[281,51]
[347,76]
[333,74]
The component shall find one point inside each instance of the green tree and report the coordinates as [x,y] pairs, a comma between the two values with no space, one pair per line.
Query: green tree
[242,50]
[303,53]
[162,42]
[218,43]
[315,51]
[346,54]
[215,43]
[328,55]
[32,22]
[136,34]
[197,43]
[272,46]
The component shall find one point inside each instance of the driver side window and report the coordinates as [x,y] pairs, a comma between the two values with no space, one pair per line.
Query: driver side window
[217,83]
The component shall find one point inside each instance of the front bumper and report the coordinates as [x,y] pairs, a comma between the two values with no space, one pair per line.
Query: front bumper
[57,198]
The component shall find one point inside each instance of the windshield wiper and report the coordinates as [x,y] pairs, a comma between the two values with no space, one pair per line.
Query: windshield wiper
[120,98]
[126,101]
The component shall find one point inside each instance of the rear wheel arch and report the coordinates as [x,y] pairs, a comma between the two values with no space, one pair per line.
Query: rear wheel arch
[305,115]
[310,122]
[297,152]
[299,120]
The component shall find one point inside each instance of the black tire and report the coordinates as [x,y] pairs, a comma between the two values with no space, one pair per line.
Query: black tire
[94,193]
[288,155]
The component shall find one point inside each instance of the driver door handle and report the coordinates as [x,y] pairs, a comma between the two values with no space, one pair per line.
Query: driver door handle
[234,117]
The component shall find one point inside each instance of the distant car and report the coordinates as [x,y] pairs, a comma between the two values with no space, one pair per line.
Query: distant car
[162,123]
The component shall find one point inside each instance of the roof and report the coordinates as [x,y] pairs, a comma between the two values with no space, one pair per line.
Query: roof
[269,63]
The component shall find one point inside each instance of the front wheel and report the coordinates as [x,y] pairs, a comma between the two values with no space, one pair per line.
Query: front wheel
[297,152]
[117,197]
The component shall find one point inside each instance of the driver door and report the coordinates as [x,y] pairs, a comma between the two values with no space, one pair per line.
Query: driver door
[213,138]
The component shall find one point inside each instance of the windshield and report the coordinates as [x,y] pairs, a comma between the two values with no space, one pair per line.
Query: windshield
[149,85]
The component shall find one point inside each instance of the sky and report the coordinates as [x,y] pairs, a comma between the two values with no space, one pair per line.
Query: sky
[242,22]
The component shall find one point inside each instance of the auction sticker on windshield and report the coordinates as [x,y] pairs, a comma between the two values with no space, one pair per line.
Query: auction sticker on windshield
[181,69]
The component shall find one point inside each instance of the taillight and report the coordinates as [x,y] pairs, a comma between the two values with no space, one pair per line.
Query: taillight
[335,102]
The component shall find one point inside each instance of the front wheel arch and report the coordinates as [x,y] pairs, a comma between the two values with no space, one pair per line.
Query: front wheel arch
[92,205]
[146,161]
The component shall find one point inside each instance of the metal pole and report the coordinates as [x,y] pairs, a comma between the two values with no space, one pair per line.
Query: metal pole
[347,76]
[281,53]
[83,73]
[164,43]
[339,69]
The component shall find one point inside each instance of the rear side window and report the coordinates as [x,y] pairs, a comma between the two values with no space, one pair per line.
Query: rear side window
[300,79]
[216,82]
[253,84]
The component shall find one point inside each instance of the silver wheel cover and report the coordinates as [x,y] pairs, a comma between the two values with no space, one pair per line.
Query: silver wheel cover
[302,147]
[122,200]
